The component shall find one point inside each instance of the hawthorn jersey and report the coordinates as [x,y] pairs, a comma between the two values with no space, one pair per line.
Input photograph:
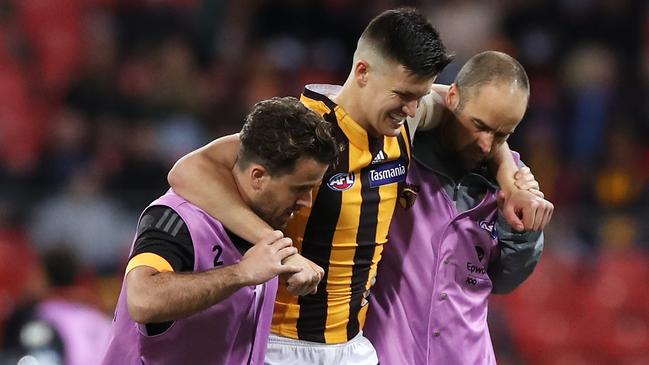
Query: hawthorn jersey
[345,229]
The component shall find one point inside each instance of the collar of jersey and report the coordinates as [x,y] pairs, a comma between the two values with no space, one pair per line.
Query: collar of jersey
[356,134]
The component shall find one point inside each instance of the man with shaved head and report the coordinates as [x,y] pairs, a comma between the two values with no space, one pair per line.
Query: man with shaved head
[320,312]
[448,242]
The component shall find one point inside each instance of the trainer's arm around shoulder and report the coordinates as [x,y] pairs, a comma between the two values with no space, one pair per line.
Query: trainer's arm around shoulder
[154,296]
[204,177]
[520,252]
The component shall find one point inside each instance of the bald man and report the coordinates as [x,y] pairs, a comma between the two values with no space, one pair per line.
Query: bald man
[449,247]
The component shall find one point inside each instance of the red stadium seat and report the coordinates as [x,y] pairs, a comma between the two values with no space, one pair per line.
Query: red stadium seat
[576,312]
[621,282]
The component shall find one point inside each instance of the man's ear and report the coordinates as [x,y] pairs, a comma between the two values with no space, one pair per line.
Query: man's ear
[452,97]
[258,176]
[361,68]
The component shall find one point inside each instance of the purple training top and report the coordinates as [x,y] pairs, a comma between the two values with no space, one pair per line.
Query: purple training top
[234,331]
[429,304]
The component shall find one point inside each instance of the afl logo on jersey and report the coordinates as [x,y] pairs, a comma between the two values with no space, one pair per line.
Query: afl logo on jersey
[341,181]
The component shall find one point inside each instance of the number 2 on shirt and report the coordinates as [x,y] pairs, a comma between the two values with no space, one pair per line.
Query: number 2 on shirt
[219,250]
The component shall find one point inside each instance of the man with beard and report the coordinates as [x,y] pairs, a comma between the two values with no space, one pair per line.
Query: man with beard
[193,292]
[448,243]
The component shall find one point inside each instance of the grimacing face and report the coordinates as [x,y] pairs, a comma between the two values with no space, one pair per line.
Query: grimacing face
[489,116]
[282,196]
[390,95]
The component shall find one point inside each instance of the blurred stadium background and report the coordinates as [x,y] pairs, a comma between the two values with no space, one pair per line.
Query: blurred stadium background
[98,98]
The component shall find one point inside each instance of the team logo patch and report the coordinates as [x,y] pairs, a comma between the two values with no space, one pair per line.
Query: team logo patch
[388,173]
[490,227]
[408,196]
[341,181]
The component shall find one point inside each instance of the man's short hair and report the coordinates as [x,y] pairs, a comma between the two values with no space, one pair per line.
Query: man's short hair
[279,131]
[487,67]
[406,36]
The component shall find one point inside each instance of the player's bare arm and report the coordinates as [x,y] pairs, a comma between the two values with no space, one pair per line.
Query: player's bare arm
[204,177]
[155,296]
[527,202]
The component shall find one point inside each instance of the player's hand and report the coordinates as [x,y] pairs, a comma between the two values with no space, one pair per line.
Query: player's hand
[264,260]
[524,180]
[524,210]
[306,281]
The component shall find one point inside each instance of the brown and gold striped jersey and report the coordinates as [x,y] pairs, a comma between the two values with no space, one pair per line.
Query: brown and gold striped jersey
[345,229]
